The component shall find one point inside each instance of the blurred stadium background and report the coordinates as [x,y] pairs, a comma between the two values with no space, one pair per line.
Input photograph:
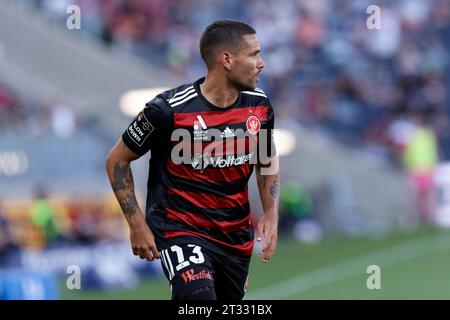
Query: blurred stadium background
[364,137]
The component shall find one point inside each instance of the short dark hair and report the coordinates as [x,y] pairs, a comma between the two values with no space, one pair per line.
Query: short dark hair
[222,34]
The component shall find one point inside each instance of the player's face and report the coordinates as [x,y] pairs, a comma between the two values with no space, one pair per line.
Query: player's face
[247,64]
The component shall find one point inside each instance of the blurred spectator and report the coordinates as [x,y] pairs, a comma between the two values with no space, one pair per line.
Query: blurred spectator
[7,243]
[298,215]
[420,158]
[82,224]
[43,216]
[295,204]
[63,121]
[385,42]
[12,111]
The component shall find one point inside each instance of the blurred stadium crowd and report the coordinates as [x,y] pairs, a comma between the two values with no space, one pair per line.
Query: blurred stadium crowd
[384,92]
[38,118]
[45,222]
[324,67]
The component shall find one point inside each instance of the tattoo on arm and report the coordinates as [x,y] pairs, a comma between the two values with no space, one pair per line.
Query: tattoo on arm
[260,178]
[129,204]
[275,188]
[124,189]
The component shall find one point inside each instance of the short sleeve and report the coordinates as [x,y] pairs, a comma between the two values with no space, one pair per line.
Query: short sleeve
[266,144]
[151,126]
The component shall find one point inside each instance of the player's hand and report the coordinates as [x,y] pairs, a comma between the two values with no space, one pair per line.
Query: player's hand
[268,230]
[143,242]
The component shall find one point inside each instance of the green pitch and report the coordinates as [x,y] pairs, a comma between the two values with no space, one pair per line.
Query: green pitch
[413,265]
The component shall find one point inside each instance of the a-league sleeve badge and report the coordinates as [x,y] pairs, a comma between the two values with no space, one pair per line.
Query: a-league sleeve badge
[140,129]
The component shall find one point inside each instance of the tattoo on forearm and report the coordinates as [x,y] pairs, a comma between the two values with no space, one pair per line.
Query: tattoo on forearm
[129,204]
[275,188]
[261,178]
[122,177]
[124,189]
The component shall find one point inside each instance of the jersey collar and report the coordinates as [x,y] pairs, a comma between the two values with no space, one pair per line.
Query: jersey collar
[209,104]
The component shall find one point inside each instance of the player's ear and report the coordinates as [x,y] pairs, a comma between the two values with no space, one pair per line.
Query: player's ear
[226,60]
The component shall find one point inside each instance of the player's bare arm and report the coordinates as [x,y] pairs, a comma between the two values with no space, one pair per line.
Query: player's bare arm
[121,179]
[269,190]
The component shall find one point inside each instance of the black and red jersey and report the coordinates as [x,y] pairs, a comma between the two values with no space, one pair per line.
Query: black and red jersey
[201,191]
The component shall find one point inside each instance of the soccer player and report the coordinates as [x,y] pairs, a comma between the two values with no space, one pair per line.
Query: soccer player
[197,209]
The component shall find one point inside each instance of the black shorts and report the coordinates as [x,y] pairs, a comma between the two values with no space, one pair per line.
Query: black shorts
[190,267]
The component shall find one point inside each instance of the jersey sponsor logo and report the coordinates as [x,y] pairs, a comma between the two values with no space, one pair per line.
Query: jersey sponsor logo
[190,275]
[253,124]
[201,122]
[200,134]
[140,129]
[200,162]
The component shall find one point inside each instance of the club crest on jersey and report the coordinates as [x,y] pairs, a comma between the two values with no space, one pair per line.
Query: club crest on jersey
[253,124]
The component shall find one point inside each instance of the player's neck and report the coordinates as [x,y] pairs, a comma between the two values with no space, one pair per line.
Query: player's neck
[218,91]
